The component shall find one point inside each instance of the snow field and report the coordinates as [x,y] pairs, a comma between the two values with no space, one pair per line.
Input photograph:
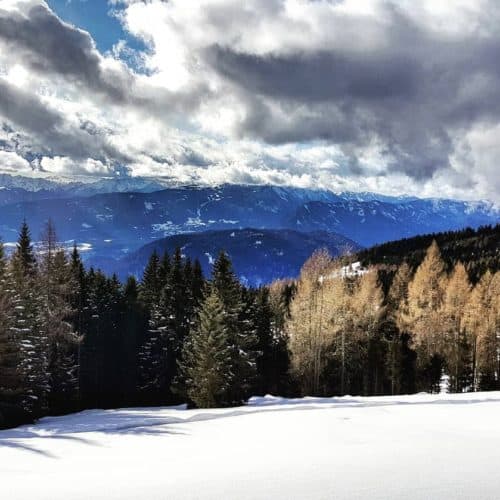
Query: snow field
[408,447]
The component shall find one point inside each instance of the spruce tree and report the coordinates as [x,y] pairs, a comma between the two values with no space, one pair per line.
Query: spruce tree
[197,284]
[151,283]
[27,327]
[62,338]
[163,270]
[11,383]
[206,366]
[133,330]
[266,346]
[241,333]
[395,329]
[152,356]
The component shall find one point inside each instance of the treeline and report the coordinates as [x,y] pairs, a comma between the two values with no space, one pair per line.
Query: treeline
[426,330]
[478,249]
[72,338]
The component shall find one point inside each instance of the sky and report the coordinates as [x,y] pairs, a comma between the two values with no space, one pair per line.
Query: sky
[397,97]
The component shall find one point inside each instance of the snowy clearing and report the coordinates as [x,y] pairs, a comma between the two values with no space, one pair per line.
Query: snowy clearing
[406,447]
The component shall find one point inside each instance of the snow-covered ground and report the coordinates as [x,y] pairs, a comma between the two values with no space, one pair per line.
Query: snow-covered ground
[408,447]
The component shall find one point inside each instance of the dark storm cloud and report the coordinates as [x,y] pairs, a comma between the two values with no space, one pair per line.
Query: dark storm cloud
[320,76]
[413,94]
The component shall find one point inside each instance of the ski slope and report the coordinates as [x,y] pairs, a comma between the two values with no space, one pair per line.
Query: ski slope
[408,447]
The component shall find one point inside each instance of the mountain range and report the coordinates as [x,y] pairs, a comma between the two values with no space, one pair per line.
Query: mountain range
[111,219]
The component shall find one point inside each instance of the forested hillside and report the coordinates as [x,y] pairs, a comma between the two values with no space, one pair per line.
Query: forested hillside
[72,338]
[478,249]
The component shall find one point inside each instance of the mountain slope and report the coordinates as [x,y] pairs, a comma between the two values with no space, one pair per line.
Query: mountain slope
[372,222]
[478,249]
[259,256]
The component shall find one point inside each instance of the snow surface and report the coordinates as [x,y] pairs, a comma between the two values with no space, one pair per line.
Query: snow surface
[406,447]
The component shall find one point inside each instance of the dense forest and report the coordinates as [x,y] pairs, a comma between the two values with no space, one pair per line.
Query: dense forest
[73,338]
[478,249]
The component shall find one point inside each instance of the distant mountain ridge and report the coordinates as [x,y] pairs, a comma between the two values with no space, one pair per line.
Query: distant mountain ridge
[110,225]
[259,256]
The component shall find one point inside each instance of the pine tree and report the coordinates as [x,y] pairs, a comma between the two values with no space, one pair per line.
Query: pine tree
[207,357]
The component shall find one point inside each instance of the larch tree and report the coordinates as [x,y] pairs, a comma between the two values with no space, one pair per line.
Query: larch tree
[338,292]
[457,349]
[309,328]
[489,332]
[425,296]
[475,324]
[368,312]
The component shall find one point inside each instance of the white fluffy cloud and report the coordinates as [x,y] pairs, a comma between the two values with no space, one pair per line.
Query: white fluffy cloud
[11,162]
[390,96]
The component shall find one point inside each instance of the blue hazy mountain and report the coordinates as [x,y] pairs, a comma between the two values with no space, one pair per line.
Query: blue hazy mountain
[259,255]
[135,213]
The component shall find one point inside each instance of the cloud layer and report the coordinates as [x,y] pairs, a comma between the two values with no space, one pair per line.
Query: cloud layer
[345,94]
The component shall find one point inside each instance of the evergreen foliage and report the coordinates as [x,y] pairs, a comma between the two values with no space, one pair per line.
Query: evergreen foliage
[72,338]
[207,358]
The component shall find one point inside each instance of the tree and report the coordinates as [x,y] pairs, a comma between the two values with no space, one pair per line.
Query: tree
[368,312]
[485,319]
[240,332]
[134,325]
[57,286]
[395,330]
[197,284]
[11,384]
[27,327]
[425,296]
[311,335]
[457,344]
[151,284]
[207,357]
